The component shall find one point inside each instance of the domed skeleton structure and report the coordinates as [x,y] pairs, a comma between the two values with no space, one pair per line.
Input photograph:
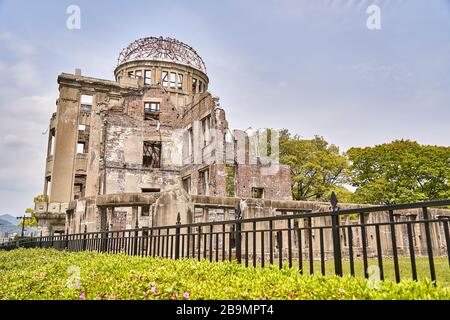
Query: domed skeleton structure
[163,49]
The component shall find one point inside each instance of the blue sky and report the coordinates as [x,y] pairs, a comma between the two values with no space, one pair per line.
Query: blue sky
[310,66]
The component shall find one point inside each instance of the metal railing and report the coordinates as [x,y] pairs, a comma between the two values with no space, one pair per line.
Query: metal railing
[304,240]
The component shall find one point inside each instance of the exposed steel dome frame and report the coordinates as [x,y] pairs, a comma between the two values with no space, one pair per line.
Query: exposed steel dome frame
[163,49]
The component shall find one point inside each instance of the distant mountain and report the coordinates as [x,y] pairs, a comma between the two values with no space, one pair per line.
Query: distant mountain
[11,219]
[9,225]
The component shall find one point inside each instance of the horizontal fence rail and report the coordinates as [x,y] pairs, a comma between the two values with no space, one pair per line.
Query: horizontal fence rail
[336,242]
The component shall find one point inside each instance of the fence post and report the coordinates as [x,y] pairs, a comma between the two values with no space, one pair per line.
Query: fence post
[336,236]
[177,237]
[84,237]
[40,240]
[238,219]
[429,245]
[136,234]
[66,241]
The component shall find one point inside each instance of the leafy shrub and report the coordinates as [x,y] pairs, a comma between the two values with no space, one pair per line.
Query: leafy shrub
[51,274]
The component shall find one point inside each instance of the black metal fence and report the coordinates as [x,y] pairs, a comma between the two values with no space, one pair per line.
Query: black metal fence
[341,240]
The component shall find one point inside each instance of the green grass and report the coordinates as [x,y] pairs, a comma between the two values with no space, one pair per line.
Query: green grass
[49,274]
[441,266]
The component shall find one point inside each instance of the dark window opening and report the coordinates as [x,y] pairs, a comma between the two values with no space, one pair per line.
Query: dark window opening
[206,125]
[187,184]
[180,82]
[130,74]
[147,77]
[257,193]
[151,110]
[204,182]
[145,211]
[149,190]
[152,154]
[194,85]
[79,187]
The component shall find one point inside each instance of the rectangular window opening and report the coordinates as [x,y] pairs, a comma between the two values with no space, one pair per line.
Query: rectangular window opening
[151,110]
[81,147]
[173,80]
[180,82]
[152,154]
[187,184]
[86,101]
[147,77]
[257,193]
[204,182]
[194,85]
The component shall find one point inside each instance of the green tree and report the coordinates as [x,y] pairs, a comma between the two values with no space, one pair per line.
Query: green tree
[399,172]
[33,222]
[317,168]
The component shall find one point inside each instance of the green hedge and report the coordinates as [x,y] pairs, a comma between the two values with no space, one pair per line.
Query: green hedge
[51,274]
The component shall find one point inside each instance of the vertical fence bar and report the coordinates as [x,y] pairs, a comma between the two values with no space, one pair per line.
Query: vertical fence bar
[280,249]
[223,242]
[167,242]
[199,242]
[271,241]
[429,245]
[289,243]
[177,237]
[211,242]
[238,218]
[336,243]
[217,246]
[411,251]
[350,251]
[362,220]
[379,253]
[394,246]
[188,241]
[150,243]
[204,244]
[84,237]
[254,243]
[262,249]
[322,252]
[310,246]
[445,221]
[193,243]
[230,245]
[300,253]
[246,249]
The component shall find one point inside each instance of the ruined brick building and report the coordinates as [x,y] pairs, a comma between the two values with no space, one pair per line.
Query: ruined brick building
[155,128]
[154,143]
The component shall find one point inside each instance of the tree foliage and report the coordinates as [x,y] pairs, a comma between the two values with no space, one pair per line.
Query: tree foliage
[399,172]
[317,168]
[32,222]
